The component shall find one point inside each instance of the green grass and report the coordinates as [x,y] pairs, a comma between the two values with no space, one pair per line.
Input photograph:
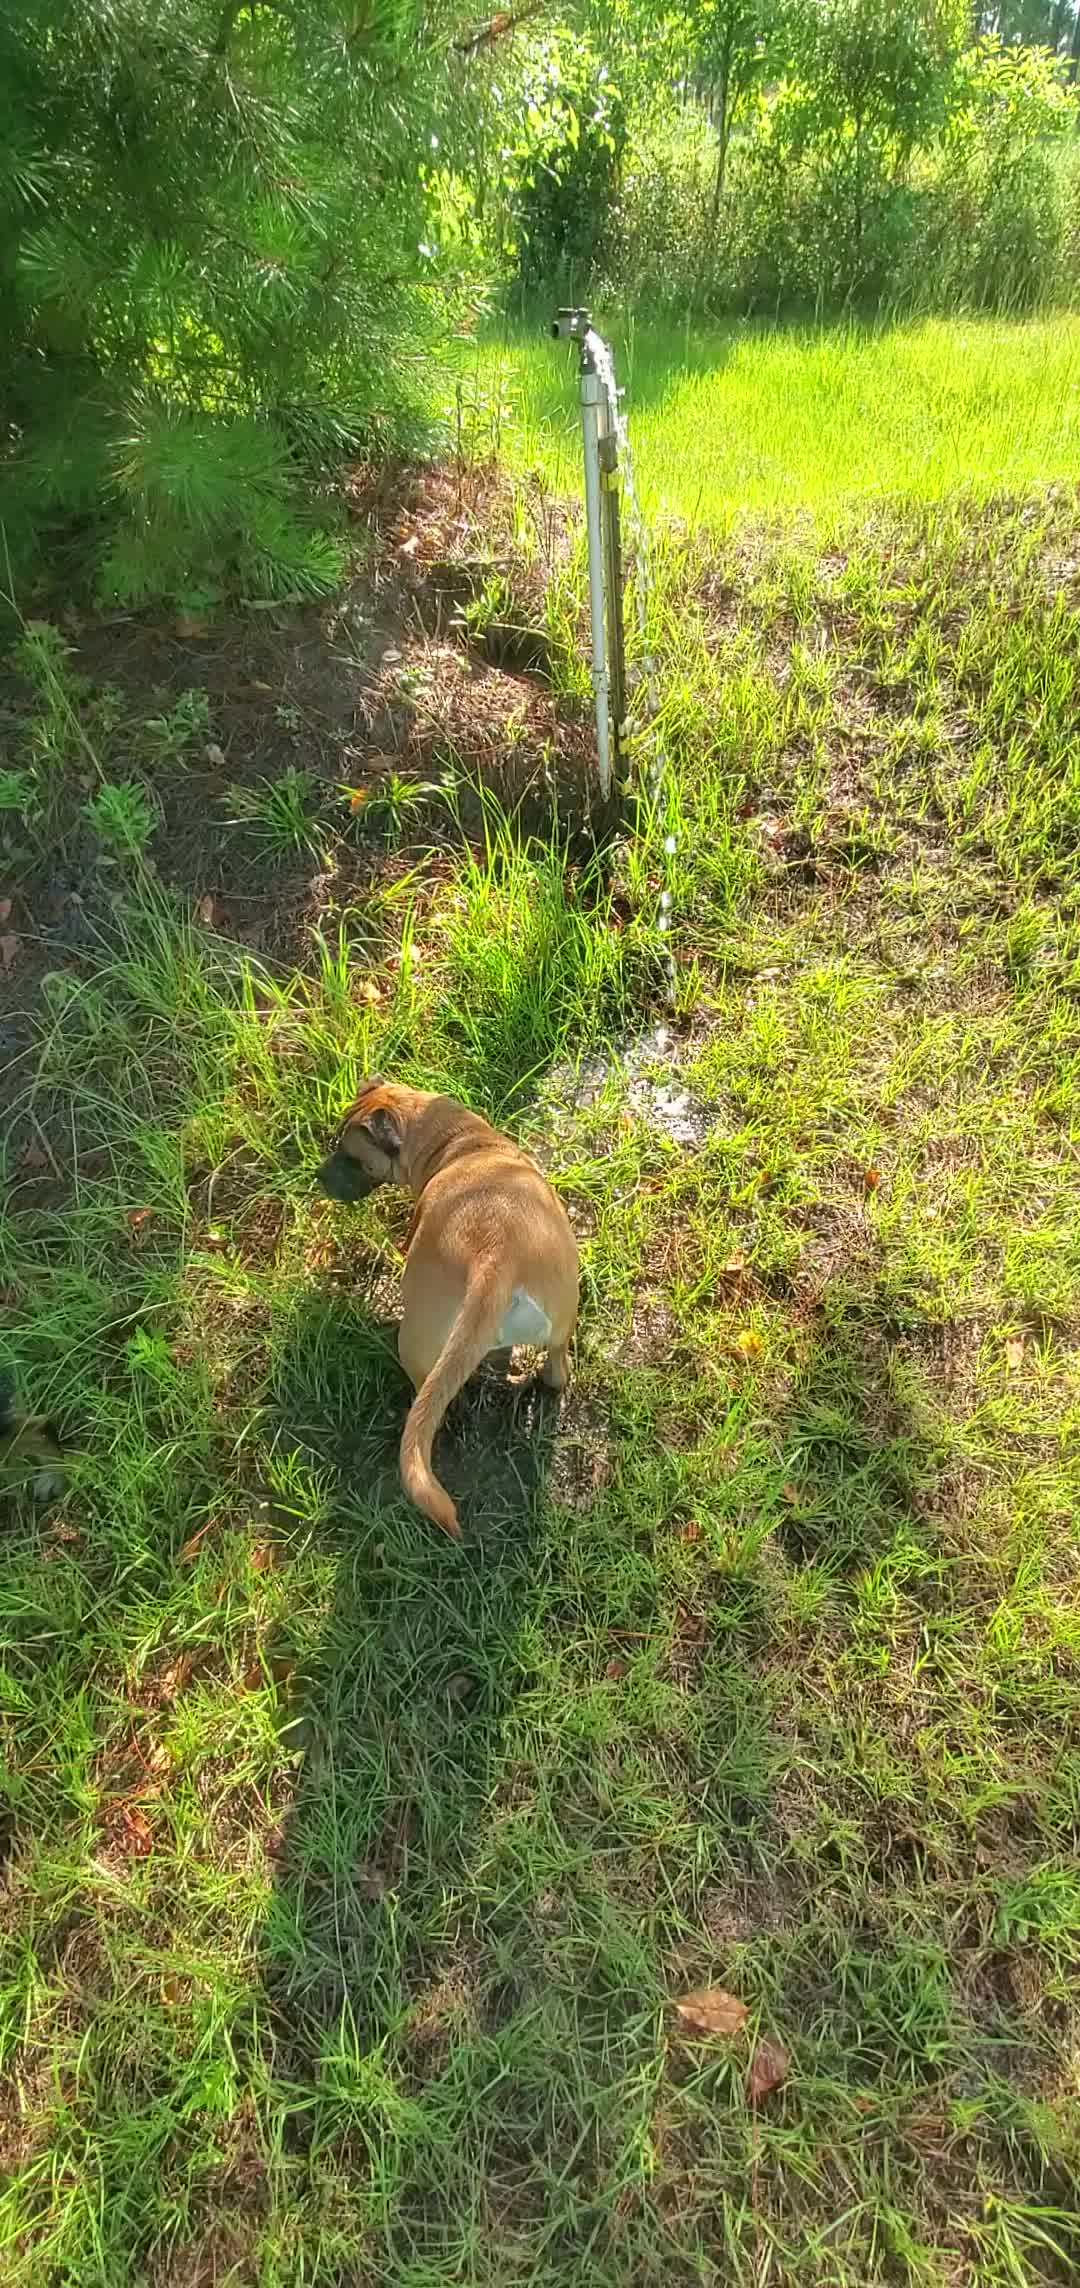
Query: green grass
[749,419]
[350,1875]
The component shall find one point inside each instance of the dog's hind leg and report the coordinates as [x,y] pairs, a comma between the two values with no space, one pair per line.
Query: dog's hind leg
[556,1368]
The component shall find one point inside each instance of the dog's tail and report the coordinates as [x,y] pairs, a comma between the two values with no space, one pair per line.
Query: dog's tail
[469,1340]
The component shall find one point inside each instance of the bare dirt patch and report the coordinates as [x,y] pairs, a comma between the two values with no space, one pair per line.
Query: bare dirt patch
[393,710]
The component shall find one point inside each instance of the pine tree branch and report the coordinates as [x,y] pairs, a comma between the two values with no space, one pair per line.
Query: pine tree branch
[496,28]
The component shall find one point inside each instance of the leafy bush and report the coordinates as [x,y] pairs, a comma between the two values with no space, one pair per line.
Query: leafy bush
[569,143]
[662,243]
[123,816]
[995,217]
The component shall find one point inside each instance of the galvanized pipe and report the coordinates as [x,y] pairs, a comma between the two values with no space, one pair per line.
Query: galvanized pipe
[593,420]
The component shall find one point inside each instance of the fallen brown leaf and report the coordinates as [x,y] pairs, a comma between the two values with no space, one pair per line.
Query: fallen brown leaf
[9,950]
[131,1830]
[172,1681]
[711,2010]
[275,1671]
[769,2066]
[735,1266]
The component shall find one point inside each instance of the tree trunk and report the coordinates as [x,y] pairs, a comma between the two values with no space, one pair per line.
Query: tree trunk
[722,118]
[858,179]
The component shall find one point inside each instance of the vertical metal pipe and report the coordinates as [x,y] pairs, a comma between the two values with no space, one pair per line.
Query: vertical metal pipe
[593,412]
[613,584]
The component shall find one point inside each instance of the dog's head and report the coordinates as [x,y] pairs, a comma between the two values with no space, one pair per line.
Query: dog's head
[368,1148]
[31,1445]
[29,1437]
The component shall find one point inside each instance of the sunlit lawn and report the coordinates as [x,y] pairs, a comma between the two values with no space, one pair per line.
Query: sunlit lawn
[750,420]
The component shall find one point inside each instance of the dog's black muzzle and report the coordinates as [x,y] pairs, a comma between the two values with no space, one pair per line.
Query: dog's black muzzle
[344,1179]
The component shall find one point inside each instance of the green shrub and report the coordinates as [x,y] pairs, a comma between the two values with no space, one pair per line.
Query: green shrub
[661,245]
[122,816]
[575,123]
[994,221]
[211,277]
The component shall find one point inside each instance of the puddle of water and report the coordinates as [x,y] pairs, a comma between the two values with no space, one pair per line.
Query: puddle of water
[640,1075]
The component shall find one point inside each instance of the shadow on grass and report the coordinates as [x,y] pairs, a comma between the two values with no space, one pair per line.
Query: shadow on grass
[398,1720]
[861,1438]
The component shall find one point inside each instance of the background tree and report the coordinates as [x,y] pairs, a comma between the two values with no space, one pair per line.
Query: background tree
[874,81]
[1053,24]
[732,46]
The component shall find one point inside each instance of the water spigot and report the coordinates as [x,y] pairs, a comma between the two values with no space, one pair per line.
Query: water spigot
[574,326]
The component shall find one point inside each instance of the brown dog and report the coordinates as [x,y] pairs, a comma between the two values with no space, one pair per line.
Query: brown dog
[31,1445]
[491,1259]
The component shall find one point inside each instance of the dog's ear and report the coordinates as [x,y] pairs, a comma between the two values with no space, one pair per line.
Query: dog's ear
[383,1130]
[367,1089]
[377,1126]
